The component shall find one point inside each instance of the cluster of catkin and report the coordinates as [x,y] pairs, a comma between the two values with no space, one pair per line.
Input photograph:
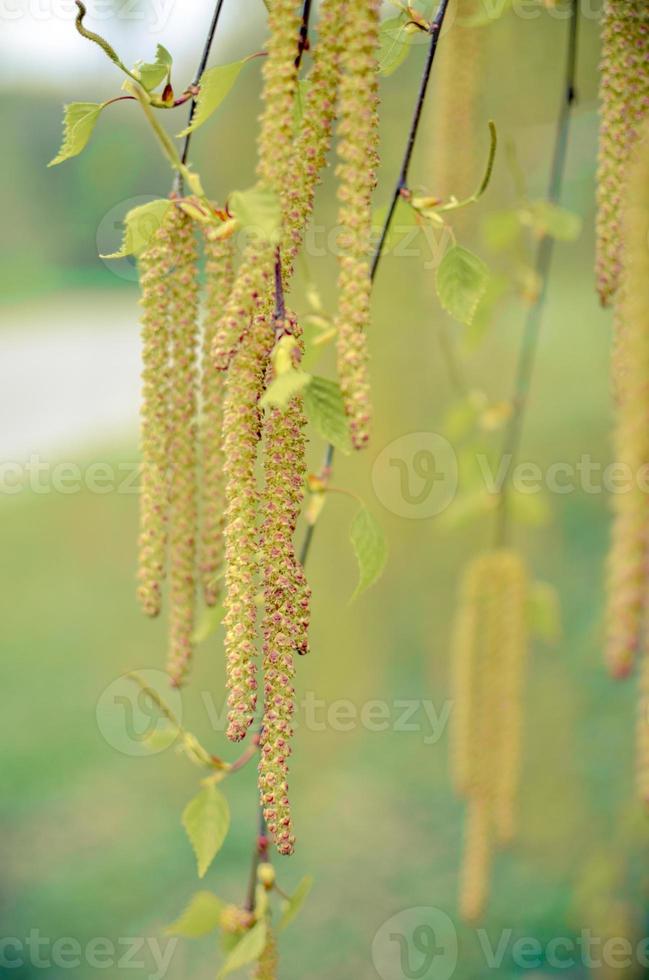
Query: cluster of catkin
[628,563]
[489,655]
[205,512]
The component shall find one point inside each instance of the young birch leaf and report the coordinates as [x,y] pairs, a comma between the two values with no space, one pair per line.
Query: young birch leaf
[206,819]
[370,548]
[140,225]
[549,219]
[248,950]
[208,623]
[79,120]
[461,281]
[394,45]
[323,404]
[281,389]
[153,74]
[215,83]
[202,915]
[293,905]
[258,210]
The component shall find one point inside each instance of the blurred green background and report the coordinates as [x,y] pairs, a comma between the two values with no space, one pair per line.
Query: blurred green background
[92,841]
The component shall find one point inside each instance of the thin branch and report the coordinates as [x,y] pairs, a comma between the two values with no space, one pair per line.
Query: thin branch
[529,343]
[434,32]
[303,38]
[184,156]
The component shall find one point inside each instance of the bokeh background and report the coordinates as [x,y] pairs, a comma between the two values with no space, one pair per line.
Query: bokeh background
[92,844]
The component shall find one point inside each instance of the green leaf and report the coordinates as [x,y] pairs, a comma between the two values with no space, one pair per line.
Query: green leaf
[370,548]
[79,119]
[202,915]
[206,819]
[544,611]
[461,281]
[258,210]
[281,389]
[247,950]
[323,404]
[549,219]
[152,74]
[291,907]
[141,224]
[394,45]
[215,84]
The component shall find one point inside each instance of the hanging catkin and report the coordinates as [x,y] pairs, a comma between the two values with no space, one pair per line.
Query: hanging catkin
[489,656]
[255,274]
[624,104]
[627,563]
[458,84]
[241,430]
[219,274]
[183,456]
[154,267]
[314,136]
[358,159]
[286,600]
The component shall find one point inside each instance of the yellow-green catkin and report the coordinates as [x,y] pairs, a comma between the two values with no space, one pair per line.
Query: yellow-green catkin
[241,431]
[313,139]
[267,964]
[627,562]
[219,275]
[183,451]
[254,280]
[455,148]
[490,648]
[286,602]
[154,267]
[358,158]
[624,105]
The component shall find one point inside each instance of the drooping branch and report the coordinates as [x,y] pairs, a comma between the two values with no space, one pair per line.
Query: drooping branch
[531,333]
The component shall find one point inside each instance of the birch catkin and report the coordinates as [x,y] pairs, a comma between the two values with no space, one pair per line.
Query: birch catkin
[183,456]
[286,602]
[254,278]
[154,267]
[357,152]
[489,657]
[219,273]
[241,429]
[624,104]
[458,82]
[627,563]
[314,137]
